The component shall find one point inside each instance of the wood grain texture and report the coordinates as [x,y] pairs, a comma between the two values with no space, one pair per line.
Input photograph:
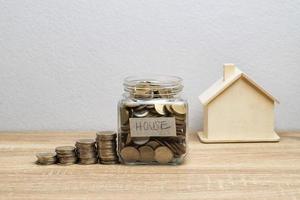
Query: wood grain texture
[211,171]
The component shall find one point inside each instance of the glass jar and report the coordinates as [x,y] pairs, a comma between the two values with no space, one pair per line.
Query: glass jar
[152,121]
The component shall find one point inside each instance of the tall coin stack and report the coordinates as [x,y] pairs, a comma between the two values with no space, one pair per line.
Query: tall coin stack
[66,155]
[106,143]
[86,151]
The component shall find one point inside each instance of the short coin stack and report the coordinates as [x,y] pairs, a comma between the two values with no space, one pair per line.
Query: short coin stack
[46,158]
[66,155]
[86,151]
[106,143]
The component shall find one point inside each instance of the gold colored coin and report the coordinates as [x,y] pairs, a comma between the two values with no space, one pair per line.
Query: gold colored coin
[65,149]
[165,92]
[130,154]
[124,116]
[45,155]
[168,108]
[153,144]
[163,155]
[66,155]
[146,154]
[88,161]
[160,108]
[143,90]
[179,108]
[106,135]
[85,142]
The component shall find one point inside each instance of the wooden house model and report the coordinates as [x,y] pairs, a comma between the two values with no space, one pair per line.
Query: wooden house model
[236,109]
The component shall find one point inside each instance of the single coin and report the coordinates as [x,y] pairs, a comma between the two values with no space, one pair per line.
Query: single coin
[153,144]
[65,149]
[168,108]
[124,114]
[106,142]
[160,109]
[109,162]
[179,108]
[45,160]
[141,113]
[146,154]
[85,142]
[171,147]
[66,155]
[130,154]
[143,90]
[66,164]
[110,159]
[128,139]
[106,146]
[45,155]
[181,117]
[140,140]
[88,160]
[131,104]
[111,154]
[163,155]
[106,135]
[107,154]
[165,92]
[45,163]
[179,123]
[125,128]
[88,149]
[69,159]
[90,155]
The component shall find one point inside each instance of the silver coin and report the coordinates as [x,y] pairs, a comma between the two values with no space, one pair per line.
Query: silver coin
[140,140]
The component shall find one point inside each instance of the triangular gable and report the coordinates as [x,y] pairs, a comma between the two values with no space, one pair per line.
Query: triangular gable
[221,85]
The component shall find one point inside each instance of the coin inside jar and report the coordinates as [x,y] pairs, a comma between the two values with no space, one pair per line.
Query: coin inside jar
[156,115]
[141,113]
[130,154]
[146,154]
[168,108]
[163,155]
[160,109]
[153,144]
[143,90]
[124,115]
[179,108]
[140,140]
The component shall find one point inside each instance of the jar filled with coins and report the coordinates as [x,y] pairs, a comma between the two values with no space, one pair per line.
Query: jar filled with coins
[152,122]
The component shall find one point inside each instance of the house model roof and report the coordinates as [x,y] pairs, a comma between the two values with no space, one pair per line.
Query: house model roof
[230,75]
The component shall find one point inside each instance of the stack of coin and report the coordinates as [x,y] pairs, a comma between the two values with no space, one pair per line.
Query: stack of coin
[86,151]
[106,143]
[66,155]
[46,158]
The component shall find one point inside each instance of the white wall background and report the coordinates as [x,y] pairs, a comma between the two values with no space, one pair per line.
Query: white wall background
[62,61]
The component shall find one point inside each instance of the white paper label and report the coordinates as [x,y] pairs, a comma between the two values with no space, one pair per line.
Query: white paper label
[152,127]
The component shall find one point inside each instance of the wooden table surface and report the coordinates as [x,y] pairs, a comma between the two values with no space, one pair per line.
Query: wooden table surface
[211,171]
